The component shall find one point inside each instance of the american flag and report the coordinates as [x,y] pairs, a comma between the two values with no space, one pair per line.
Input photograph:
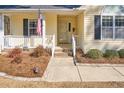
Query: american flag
[39,26]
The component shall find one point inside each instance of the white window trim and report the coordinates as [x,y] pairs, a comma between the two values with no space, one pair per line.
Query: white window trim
[113,15]
[29,27]
[101,28]
[114,28]
[9,20]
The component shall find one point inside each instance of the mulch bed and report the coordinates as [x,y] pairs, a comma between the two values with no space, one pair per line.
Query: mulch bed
[25,68]
[82,58]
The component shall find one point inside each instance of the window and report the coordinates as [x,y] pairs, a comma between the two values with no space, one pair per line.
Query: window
[119,27]
[6,25]
[112,27]
[69,27]
[32,28]
[107,27]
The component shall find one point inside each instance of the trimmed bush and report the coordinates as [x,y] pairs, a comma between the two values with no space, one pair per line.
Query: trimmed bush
[15,52]
[121,53]
[111,54]
[39,51]
[94,54]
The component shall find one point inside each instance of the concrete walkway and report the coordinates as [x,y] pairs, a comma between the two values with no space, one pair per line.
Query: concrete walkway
[101,72]
[63,69]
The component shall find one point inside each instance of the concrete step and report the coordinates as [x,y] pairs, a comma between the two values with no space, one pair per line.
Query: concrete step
[61,49]
[61,54]
[58,50]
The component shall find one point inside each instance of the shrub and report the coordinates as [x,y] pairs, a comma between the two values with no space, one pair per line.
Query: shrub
[121,53]
[15,52]
[17,59]
[39,51]
[111,54]
[94,54]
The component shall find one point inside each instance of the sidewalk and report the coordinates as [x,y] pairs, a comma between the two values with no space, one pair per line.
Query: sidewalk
[101,72]
[63,69]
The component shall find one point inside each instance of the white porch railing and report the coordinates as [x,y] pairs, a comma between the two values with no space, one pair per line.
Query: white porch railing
[50,43]
[53,45]
[76,37]
[12,41]
[74,48]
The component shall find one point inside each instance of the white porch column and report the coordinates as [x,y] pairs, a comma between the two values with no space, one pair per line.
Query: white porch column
[44,30]
[1,32]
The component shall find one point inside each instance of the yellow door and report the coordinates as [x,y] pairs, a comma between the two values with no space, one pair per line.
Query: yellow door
[63,36]
[66,27]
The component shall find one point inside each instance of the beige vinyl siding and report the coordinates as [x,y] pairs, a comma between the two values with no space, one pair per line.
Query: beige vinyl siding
[89,26]
[89,42]
[80,29]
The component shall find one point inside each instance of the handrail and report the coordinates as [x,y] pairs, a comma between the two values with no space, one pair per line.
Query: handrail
[10,41]
[74,48]
[53,45]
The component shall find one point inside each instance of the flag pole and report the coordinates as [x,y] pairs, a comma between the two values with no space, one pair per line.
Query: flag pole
[41,27]
[44,31]
[39,24]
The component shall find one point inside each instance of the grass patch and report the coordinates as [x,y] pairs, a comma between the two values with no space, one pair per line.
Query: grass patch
[7,83]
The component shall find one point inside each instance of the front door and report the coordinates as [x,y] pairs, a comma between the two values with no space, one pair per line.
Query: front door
[66,27]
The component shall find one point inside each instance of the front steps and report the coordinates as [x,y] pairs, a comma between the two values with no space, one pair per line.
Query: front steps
[62,52]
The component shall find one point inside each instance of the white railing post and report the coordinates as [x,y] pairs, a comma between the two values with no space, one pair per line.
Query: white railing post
[73,46]
[53,45]
[1,32]
[12,41]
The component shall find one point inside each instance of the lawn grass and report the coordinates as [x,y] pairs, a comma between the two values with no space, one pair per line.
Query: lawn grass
[8,83]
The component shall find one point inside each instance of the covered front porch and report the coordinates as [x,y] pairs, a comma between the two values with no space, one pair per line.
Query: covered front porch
[18,28]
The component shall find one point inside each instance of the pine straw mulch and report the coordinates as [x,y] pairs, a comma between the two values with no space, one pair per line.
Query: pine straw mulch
[25,68]
[82,58]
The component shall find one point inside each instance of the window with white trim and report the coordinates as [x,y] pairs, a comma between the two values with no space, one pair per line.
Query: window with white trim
[112,27]
[107,27]
[119,27]
[32,27]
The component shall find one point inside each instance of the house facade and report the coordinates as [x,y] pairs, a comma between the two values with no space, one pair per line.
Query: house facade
[94,27]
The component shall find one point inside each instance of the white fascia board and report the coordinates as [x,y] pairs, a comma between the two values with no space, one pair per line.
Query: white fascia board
[36,9]
[9,10]
[112,14]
